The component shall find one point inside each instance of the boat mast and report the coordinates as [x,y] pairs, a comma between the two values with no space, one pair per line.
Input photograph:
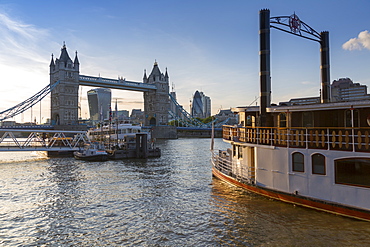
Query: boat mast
[110,125]
[116,109]
[101,125]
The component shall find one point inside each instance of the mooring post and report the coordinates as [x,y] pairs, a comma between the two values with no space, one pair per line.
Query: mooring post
[265,78]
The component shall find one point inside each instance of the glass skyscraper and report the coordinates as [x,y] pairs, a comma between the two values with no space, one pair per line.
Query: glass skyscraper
[99,102]
[201,106]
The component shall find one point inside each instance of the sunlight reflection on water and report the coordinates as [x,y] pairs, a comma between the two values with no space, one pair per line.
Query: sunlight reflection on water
[168,201]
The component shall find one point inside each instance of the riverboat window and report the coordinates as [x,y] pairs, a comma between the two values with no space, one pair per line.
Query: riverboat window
[349,118]
[354,172]
[250,121]
[298,162]
[234,150]
[318,164]
[307,119]
[282,120]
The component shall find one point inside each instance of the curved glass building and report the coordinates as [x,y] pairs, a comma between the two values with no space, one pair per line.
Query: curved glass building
[201,106]
[99,102]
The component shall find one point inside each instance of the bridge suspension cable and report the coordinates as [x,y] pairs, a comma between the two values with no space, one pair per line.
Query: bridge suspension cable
[186,119]
[28,103]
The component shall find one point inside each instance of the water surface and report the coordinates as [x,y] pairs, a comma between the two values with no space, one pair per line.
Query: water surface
[168,201]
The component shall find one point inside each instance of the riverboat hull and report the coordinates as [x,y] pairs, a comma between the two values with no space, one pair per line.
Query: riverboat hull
[96,157]
[312,203]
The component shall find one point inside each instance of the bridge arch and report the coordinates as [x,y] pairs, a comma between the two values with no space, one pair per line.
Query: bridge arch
[152,121]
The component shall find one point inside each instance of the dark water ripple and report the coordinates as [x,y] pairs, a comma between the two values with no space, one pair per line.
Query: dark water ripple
[167,201]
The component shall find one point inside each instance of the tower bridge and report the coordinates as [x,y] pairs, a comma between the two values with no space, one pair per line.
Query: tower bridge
[65,80]
[64,97]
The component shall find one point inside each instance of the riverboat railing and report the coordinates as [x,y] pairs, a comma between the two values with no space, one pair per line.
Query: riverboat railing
[343,139]
[223,163]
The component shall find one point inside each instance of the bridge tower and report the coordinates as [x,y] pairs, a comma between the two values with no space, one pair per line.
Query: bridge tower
[64,97]
[156,102]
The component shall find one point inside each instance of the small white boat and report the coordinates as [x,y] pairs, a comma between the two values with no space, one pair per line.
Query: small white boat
[91,152]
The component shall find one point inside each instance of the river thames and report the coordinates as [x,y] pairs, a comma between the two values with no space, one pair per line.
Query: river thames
[168,201]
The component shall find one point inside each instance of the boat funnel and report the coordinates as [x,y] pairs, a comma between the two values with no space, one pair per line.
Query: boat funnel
[265,77]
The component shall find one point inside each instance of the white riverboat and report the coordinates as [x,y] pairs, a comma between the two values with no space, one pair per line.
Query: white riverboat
[313,152]
[325,168]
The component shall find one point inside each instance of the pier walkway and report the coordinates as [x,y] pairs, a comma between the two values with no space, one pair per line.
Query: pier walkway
[12,140]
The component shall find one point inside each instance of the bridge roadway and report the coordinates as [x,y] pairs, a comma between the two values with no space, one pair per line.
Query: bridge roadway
[91,81]
[41,140]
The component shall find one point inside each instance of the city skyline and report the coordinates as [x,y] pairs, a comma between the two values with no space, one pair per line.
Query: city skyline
[210,46]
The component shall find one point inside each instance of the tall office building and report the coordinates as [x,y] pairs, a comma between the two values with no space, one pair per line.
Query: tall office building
[99,102]
[201,106]
[344,89]
[207,106]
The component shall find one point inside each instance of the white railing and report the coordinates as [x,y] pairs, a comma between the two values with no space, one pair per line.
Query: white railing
[345,139]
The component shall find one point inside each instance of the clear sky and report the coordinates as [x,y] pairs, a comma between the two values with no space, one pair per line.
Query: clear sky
[206,45]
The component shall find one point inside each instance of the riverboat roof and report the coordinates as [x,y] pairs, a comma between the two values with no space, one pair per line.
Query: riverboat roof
[311,107]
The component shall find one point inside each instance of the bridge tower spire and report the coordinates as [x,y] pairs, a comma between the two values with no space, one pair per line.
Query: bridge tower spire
[64,97]
[156,102]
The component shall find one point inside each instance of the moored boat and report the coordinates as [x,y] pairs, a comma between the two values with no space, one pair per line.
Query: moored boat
[125,141]
[91,152]
[134,146]
[114,132]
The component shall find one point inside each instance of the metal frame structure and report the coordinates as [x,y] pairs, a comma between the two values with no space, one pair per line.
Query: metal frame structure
[297,28]
[42,140]
[300,28]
